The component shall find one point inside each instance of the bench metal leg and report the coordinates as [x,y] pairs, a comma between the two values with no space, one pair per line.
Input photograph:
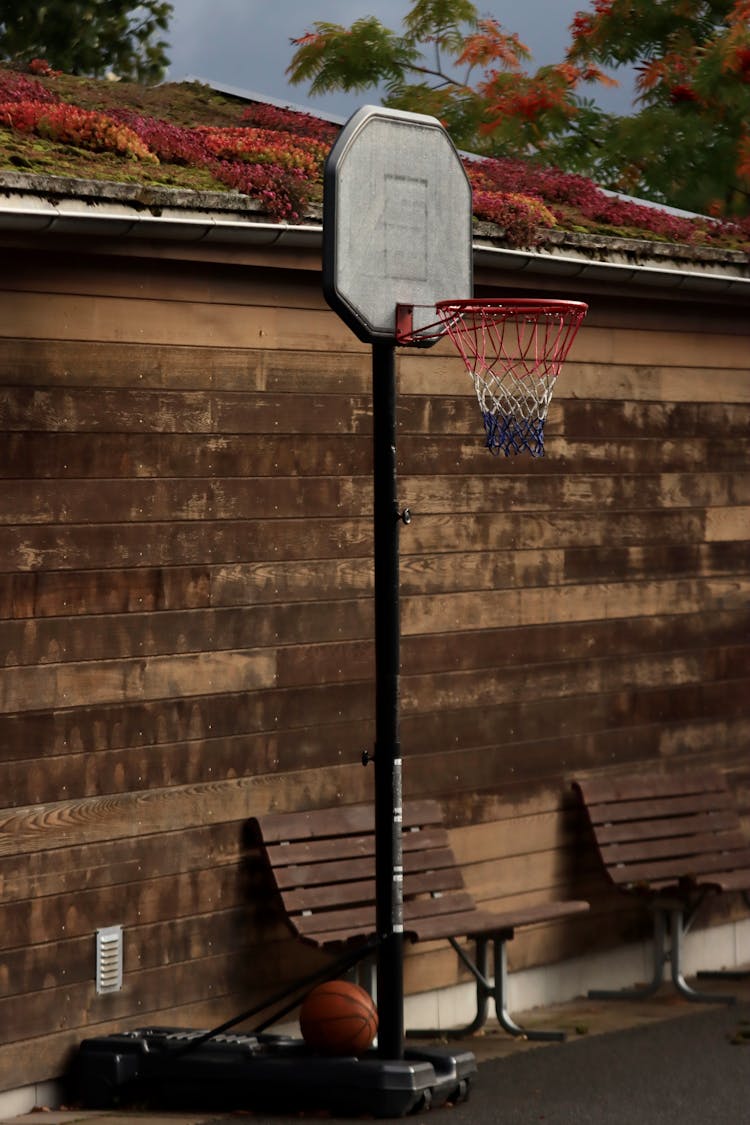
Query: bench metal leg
[660,960]
[503,1016]
[486,989]
[662,956]
[679,929]
[480,971]
[365,975]
[479,968]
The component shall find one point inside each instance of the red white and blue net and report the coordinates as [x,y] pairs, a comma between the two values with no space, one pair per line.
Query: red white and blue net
[514,351]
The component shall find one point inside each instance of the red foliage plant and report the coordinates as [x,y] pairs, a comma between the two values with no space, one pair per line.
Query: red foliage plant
[16,87]
[70,125]
[283,192]
[262,146]
[172,144]
[262,116]
[42,67]
[564,191]
[522,217]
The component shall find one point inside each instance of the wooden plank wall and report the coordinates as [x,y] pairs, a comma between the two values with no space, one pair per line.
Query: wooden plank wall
[186,613]
[600,618]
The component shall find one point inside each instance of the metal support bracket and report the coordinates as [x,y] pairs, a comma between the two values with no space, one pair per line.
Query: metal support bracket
[486,989]
[675,915]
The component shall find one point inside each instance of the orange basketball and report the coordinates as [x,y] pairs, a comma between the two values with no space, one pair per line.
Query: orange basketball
[338,1018]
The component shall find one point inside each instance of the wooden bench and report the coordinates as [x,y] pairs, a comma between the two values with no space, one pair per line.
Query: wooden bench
[671,839]
[323,864]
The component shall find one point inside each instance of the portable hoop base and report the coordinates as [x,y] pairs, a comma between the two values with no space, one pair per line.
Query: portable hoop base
[513,351]
[274,1074]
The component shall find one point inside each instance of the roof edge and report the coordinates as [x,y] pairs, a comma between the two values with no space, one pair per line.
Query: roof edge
[48,204]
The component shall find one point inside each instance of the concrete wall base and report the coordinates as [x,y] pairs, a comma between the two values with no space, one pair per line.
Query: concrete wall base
[28,1098]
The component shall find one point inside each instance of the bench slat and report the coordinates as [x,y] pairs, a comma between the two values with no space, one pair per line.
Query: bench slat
[732,880]
[696,869]
[634,787]
[352,919]
[678,848]
[660,831]
[338,847]
[671,826]
[317,874]
[479,923]
[469,923]
[324,899]
[357,920]
[340,821]
[358,915]
[659,808]
[330,895]
[324,874]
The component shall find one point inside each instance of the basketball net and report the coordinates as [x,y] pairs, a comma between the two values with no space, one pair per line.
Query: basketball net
[514,351]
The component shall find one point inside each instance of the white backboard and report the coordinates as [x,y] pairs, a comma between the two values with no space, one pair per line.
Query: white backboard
[396,220]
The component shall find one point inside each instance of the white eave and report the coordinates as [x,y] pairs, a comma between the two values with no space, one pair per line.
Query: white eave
[50,220]
[586,268]
[128,212]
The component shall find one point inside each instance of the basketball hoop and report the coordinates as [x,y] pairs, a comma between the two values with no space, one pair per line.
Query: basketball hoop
[513,351]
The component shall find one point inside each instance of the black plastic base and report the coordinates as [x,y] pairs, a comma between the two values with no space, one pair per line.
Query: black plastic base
[278,1074]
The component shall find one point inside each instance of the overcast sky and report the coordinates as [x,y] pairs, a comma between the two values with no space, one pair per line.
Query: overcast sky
[245,43]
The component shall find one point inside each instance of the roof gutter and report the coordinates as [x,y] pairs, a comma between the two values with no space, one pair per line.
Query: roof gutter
[587,269]
[40,216]
[47,218]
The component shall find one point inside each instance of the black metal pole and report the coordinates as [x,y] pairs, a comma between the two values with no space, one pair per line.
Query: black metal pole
[388,811]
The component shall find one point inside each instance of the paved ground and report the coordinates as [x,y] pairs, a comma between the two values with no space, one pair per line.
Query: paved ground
[659,1062]
[671,1072]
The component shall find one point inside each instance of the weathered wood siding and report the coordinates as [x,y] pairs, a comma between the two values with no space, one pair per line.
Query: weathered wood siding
[600,618]
[186,611]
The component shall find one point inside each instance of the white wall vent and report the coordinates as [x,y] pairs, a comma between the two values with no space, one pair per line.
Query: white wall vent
[109,959]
